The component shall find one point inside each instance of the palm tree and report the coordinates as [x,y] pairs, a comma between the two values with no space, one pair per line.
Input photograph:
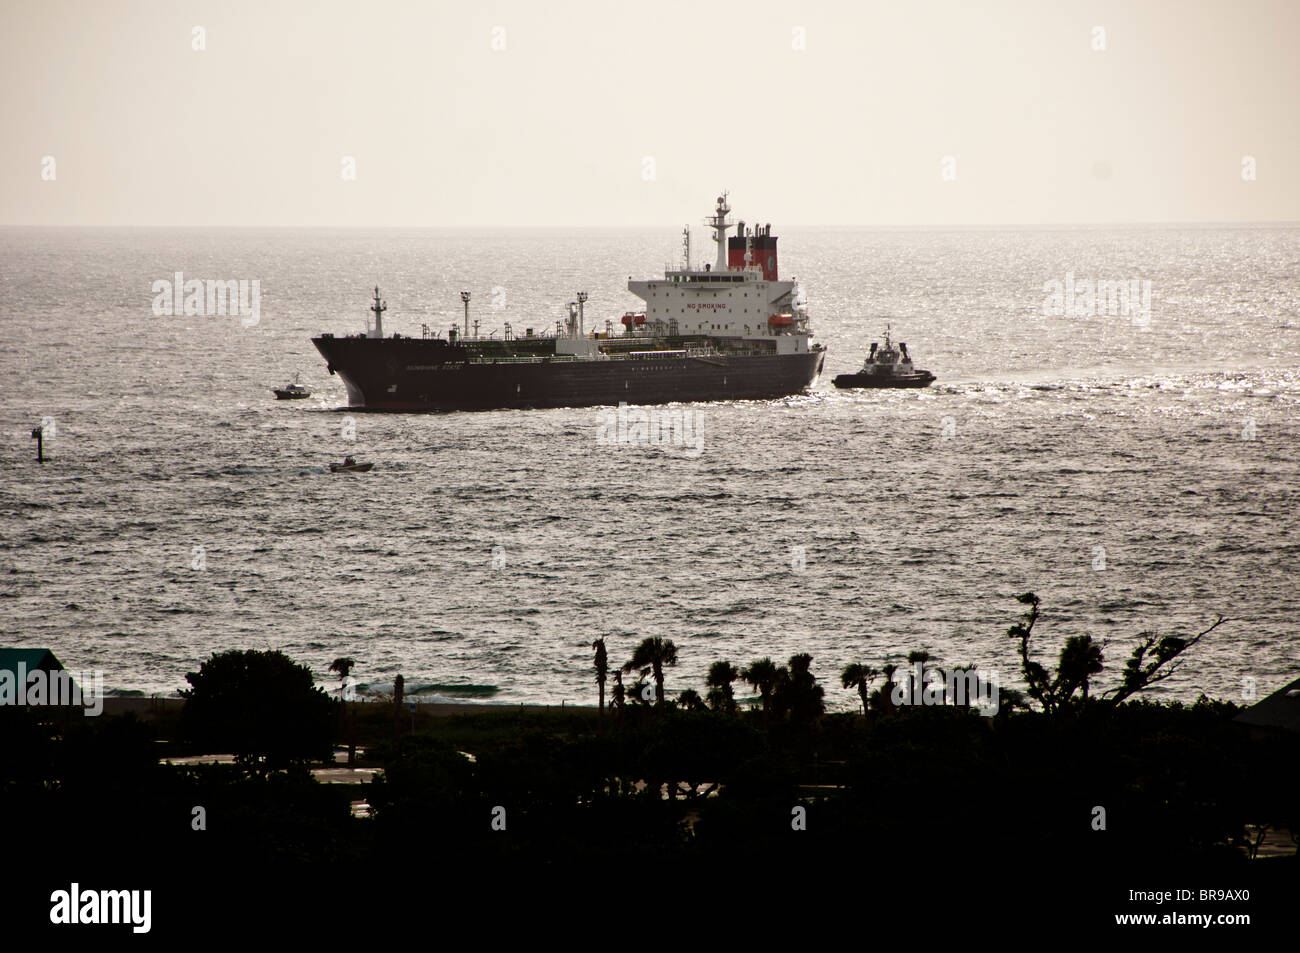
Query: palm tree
[1081,658]
[650,657]
[602,672]
[343,668]
[800,694]
[721,697]
[690,700]
[921,656]
[763,675]
[636,692]
[883,697]
[859,677]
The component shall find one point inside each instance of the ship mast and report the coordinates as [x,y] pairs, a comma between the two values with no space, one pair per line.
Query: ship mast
[718,222]
[378,307]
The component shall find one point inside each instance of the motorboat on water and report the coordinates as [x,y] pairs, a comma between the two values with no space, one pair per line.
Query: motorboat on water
[294,391]
[350,465]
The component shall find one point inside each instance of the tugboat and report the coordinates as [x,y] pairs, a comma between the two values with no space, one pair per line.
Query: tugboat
[887,366]
[350,465]
[294,391]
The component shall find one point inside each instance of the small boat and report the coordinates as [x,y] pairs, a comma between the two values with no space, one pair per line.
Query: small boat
[350,465]
[887,366]
[294,391]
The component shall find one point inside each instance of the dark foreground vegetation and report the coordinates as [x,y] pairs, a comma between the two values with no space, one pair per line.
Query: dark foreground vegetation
[1063,781]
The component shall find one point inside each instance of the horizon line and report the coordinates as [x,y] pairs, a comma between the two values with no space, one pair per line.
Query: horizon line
[1274,223]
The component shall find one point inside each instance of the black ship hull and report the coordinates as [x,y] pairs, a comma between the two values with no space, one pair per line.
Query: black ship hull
[414,374]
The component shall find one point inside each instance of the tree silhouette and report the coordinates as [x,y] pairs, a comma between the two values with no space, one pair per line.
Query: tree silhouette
[798,693]
[763,675]
[916,685]
[618,696]
[1139,674]
[650,657]
[721,697]
[882,699]
[859,677]
[689,700]
[636,692]
[343,668]
[1153,660]
[1038,682]
[1081,658]
[602,672]
[257,705]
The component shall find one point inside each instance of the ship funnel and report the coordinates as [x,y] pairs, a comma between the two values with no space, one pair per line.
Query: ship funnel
[761,245]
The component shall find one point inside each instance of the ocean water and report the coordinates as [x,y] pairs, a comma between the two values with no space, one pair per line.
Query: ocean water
[1137,472]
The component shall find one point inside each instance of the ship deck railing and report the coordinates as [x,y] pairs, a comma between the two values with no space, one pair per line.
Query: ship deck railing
[523,359]
[676,354]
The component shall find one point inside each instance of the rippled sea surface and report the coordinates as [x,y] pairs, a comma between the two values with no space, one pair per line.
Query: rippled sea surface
[1135,477]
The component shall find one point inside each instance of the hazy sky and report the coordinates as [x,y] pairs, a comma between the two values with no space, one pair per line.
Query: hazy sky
[556,127]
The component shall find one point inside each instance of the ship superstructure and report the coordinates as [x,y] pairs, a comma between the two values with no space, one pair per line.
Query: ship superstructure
[739,298]
[728,330]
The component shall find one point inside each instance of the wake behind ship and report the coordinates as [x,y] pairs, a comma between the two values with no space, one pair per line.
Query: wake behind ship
[728,331]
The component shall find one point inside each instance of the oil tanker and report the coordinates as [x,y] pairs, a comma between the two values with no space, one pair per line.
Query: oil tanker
[730,330]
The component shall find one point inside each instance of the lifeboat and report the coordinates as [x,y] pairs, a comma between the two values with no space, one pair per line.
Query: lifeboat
[781,321]
[631,318]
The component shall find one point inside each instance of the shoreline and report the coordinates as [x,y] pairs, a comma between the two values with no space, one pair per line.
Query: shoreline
[147,708]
